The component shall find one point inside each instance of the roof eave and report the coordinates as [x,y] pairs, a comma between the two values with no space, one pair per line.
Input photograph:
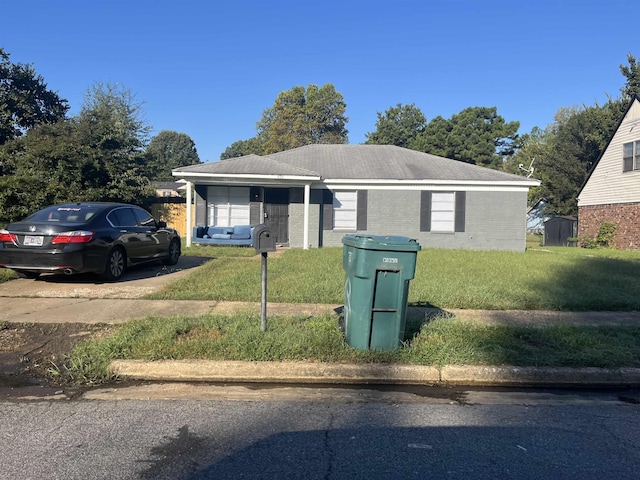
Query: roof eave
[247,177]
[506,183]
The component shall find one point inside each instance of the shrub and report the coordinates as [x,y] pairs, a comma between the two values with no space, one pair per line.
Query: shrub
[603,239]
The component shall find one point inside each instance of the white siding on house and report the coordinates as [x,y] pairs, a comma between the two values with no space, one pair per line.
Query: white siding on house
[608,183]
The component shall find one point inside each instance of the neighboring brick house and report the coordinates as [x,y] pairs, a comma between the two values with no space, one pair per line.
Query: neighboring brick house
[611,192]
[313,195]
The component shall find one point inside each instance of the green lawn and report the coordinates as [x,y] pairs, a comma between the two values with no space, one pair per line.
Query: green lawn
[570,279]
[540,278]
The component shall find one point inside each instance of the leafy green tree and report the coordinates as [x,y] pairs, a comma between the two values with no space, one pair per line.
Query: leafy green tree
[47,165]
[25,100]
[169,150]
[252,146]
[632,73]
[564,152]
[575,147]
[111,124]
[97,155]
[302,117]
[398,126]
[569,148]
[475,135]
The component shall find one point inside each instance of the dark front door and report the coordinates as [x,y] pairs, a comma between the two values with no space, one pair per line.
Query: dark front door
[276,213]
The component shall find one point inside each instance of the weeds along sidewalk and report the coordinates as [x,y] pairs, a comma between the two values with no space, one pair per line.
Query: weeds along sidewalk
[303,343]
[390,369]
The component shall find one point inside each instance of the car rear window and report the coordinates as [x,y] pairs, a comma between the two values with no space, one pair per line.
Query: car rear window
[71,214]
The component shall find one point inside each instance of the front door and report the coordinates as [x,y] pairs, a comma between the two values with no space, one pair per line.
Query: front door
[276,213]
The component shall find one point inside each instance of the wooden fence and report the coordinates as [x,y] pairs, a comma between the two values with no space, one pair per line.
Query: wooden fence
[175,214]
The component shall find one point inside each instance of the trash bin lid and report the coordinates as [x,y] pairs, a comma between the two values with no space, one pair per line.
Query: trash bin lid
[382,242]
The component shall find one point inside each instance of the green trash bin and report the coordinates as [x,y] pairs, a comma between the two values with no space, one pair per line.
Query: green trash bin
[378,270]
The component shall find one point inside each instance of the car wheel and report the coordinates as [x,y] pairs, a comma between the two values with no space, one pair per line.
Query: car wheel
[174,253]
[116,264]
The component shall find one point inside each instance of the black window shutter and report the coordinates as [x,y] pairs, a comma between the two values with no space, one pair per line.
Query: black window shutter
[425,211]
[327,210]
[461,200]
[361,221]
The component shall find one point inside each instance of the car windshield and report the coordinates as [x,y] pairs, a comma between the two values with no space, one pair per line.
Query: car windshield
[64,214]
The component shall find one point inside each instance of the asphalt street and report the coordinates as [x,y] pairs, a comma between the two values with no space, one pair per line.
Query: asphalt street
[317,434]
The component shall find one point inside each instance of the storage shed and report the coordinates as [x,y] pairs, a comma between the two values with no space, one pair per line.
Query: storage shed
[559,230]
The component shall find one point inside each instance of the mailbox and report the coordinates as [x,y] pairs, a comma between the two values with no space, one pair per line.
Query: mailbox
[263,239]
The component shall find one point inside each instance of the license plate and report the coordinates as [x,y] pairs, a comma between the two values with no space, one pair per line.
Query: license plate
[33,240]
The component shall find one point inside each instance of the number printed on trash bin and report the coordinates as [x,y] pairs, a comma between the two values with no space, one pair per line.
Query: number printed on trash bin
[389,260]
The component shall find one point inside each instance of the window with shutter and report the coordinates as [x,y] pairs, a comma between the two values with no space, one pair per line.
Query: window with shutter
[442,211]
[345,210]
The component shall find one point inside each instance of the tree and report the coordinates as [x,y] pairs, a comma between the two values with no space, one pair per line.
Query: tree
[632,73]
[25,100]
[434,138]
[252,146]
[564,152]
[96,156]
[48,165]
[303,117]
[475,135]
[398,126]
[110,124]
[169,150]
[574,149]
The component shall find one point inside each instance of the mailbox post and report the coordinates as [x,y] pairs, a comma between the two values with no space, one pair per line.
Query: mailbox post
[264,242]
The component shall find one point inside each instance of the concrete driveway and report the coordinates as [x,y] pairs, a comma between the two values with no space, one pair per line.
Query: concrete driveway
[88,299]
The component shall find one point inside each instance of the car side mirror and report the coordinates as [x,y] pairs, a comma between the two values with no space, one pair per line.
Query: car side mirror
[161,224]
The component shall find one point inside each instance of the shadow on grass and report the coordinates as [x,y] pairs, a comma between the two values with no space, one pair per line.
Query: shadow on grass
[590,283]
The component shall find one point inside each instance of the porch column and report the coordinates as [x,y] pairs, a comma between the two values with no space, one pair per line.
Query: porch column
[307,199]
[189,214]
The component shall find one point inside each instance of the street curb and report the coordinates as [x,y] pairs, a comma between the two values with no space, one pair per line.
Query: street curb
[333,373]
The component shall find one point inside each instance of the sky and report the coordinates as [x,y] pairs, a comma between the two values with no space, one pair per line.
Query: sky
[209,68]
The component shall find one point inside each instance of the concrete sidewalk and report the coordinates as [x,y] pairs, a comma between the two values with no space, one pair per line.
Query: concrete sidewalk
[115,310]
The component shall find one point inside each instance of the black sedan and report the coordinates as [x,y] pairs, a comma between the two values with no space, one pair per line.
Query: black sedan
[102,238]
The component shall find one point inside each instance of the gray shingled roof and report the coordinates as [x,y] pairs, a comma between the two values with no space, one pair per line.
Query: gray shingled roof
[355,162]
[248,165]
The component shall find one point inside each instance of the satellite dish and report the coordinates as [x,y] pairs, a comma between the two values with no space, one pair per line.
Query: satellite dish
[528,170]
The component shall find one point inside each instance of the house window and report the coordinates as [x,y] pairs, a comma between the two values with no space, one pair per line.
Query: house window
[443,212]
[631,156]
[345,210]
[228,206]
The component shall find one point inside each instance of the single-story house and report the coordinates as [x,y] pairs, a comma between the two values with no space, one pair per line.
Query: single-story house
[611,192]
[536,216]
[313,195]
